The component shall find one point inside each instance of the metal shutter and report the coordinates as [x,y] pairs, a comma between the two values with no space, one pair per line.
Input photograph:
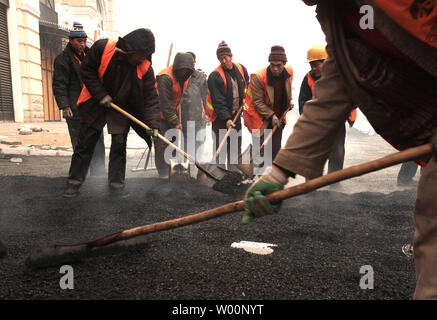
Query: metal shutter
[6,102]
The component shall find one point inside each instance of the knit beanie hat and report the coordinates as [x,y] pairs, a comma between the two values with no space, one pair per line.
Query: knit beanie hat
[77,31]
[277,53]
[223,50]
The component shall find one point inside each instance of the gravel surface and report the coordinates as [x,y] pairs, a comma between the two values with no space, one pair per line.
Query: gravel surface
[322,239]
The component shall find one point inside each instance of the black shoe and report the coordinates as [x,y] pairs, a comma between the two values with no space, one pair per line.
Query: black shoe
[2,250]
[71,192]
[118,193]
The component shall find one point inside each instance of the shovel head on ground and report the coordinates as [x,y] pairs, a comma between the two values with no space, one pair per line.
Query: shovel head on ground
[228,180]
[216,170]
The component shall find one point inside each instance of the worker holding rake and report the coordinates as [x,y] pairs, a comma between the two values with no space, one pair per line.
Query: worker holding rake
[382,57]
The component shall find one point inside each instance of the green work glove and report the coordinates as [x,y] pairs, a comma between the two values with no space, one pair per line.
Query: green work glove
[256,204]
[153,133]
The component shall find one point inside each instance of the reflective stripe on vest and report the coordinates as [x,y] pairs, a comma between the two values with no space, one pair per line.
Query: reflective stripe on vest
[107,55]
[210,114]
[419,18]
[176,88]
[252,119]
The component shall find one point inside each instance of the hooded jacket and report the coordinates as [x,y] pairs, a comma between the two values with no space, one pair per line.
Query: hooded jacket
[121,82]
[171,89]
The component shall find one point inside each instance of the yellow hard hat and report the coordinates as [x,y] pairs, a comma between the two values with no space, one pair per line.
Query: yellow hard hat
[318,52]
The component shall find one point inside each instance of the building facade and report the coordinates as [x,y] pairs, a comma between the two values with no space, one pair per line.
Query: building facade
[32,33]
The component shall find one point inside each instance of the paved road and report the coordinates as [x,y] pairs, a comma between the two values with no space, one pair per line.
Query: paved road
[323,239]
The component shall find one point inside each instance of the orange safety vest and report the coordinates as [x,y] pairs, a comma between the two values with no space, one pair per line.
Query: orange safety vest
[252,119]
[419,18]
[310,81]
[177,93]
[210,114]
[107,55]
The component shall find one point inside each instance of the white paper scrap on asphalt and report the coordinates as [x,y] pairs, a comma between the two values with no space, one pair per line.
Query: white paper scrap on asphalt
[255,247]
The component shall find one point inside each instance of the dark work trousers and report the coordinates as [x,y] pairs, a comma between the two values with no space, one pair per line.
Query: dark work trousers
[275,140]
[97,166]
[80,162]
[336,157]
[408,171]
[218,125]
[162,165]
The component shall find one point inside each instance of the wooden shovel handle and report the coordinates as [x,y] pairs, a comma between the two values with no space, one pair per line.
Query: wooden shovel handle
[169,54]
[228,131]
[162,138]
[145,126]
[275,128]
[354,171]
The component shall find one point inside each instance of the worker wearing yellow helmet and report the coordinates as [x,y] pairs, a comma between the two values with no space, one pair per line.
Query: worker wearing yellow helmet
[316,57]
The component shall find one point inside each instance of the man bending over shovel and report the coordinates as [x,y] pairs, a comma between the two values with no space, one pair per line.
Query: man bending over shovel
[389,69]
[119,71]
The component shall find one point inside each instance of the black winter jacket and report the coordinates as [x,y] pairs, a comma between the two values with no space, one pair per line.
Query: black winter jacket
[222,100]
[305,93]
[67,82]
[120,81]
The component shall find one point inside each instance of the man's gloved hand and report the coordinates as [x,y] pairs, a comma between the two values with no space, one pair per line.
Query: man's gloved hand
[106,101]
[67,113]
[230,124]
[256,204]
[276,121]
[153,133]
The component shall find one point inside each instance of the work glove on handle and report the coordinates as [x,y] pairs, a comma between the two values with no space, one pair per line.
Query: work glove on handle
[256,204]
[230,124]
[276,121]
[106,101]
[153,133]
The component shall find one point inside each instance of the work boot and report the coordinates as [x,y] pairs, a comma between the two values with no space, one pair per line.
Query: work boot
[72,190]
[2,250]
[118,191]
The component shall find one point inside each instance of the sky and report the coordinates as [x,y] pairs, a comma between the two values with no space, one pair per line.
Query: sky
[249,27]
